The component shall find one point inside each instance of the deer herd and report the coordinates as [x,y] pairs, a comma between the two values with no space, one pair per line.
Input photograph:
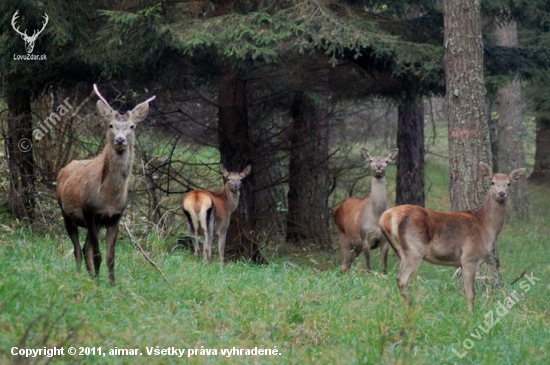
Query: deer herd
[94,193]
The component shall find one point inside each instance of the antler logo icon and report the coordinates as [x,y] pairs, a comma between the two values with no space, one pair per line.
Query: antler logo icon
[29,40]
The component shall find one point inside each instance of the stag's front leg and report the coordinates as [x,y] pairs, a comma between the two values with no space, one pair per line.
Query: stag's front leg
[221,246]
[196,246]
[89,254]
[111,235]
[469,275]
[366,250]
[93,254]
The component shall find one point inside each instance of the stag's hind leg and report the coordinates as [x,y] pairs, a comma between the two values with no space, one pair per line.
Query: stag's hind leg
[72,230]
[347,253]
[409,262]
[384,250]
[194,232]
[208,234]
[370,240]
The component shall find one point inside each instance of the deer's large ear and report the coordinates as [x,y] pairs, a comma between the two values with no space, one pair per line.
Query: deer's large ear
[104,110]
[365,153]
[246,171]
[392,156]
[224,171]
[517,174]
[486,170]
[140,112]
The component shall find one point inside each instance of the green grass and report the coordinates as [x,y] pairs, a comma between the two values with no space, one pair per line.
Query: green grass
[299,304]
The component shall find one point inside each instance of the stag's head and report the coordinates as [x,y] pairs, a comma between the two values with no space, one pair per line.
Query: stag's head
[234,179]
[378,164]
[120,134]
[500,182]
[29,40]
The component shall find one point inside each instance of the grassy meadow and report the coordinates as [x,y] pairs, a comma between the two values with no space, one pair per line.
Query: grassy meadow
[300,305]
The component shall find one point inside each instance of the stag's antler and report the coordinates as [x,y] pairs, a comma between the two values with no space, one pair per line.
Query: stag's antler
[150,99]
[106,103]
[101,97]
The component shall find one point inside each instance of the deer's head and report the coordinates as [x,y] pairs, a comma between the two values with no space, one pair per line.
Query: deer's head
[500,182]
[120,134]
[29,40]
[378,164]
[234,179]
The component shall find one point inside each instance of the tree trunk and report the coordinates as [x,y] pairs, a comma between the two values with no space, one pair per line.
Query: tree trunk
[465,97]
[20,155]
[270,169]
[511,153]
[410,164]
[492,124]
[236,153]
[309,183]
[541,171]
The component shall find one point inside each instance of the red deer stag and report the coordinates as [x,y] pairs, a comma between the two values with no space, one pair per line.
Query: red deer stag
[448,238]
[357,219]
[93,193]
[211,211]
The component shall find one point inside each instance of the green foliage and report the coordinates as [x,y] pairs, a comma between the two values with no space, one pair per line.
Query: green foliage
[254,36]
[130,44]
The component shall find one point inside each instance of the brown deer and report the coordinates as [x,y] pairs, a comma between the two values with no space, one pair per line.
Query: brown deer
[357,219]
[462,239]
[210,212]
[93,193]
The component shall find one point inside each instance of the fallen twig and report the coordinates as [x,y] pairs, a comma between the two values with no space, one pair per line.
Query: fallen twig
[519,277]
[145,253]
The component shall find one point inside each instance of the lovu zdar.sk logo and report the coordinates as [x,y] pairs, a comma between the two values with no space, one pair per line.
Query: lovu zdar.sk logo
[29,39]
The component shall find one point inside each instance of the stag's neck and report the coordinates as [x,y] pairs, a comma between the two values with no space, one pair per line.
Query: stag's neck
[493,214]
[117,167]
[231,197]
[378,195]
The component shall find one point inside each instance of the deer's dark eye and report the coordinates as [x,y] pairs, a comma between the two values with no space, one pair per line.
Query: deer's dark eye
[110,126]
[492,183]
[131,127]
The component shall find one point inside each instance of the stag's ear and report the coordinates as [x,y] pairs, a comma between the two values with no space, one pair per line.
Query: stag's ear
[246,171]
[140,112]
[104,110]
[224,171]
[392,156]
[486,170]
[365,153]
[517,174]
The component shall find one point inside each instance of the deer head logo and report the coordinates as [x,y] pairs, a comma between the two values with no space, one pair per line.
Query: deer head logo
[29,40]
